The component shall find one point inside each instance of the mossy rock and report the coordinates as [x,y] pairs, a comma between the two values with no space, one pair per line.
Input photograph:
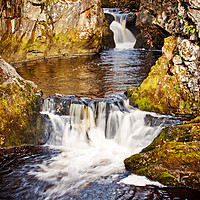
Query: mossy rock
[180,133]
[20,120]
[173,158]
[162,91]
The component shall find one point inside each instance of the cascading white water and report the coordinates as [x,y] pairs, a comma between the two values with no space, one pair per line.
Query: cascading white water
[94,141]
[122,36]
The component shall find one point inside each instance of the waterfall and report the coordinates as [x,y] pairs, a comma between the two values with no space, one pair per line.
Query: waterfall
[94,136]
[122,36]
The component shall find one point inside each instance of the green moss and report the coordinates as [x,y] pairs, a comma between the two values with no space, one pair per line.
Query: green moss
[168,164]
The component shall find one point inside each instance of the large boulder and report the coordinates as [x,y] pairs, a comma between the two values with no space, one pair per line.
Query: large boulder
[32,29]
[20,120]
[173,158]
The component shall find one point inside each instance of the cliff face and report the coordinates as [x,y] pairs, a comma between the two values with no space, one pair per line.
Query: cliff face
[158,19]
[32,29]
[173,83]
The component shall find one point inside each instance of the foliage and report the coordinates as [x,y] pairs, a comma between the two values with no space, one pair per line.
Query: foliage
[189,29]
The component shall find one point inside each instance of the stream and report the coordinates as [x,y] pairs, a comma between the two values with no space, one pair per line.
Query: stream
[92,129]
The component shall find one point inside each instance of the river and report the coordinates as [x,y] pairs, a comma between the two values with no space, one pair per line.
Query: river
[93,129]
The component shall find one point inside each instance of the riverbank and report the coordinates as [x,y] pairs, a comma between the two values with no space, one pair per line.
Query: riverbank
[172,87]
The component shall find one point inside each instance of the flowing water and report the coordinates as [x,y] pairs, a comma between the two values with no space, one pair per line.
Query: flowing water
[93,129]
[123,37]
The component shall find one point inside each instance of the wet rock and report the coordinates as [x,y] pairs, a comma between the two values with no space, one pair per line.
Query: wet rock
[21,122]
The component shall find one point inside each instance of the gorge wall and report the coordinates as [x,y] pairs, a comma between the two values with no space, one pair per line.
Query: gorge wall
[159,19]
[31,29]
[172,87]
[173,83]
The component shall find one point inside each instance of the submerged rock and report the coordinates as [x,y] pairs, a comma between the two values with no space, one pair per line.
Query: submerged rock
[173,158]
[34,29]
[19,116]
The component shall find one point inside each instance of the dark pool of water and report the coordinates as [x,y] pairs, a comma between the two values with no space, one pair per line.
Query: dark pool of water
[101,75]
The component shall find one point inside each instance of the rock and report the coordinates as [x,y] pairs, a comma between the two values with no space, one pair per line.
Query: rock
[188,51]
[34,29]
[176,17]
[172,84]
[173,158]
[20,120]
[172,87]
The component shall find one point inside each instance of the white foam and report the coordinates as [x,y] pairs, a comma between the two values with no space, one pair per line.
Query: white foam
[94,142]
[139,181]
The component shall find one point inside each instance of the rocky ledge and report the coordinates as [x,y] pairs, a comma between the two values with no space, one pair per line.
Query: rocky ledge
[173,158]
[20,120]
[31,29]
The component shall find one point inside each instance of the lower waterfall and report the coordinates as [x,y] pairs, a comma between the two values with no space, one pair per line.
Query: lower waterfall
[94,136]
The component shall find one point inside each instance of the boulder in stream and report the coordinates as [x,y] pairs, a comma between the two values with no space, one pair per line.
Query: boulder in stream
[20,120]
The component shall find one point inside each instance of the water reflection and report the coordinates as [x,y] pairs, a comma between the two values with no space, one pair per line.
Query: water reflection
[110,72]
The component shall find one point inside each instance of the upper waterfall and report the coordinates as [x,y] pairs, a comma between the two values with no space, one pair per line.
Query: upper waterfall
[122,36]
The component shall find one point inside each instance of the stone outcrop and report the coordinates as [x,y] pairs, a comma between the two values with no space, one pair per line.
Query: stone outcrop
[172,86]
[20,121]
[32,29]
[173,83]
[173,158]
[159,19]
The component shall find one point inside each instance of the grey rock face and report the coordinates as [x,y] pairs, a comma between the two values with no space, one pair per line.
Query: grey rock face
[32,29]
